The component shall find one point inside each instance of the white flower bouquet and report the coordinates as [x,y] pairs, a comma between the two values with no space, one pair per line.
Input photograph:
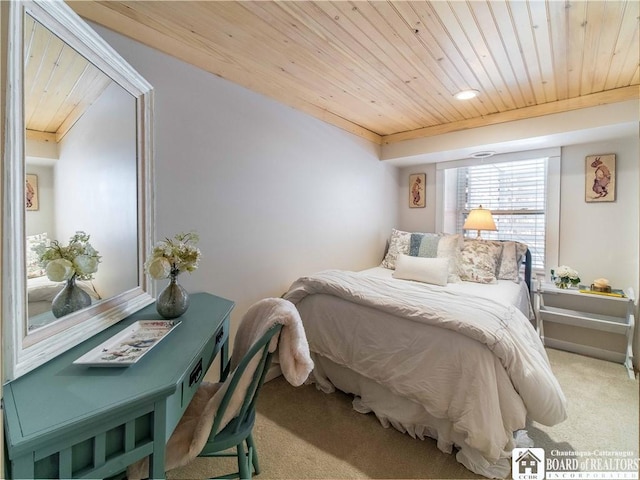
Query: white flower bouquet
[565,276]
[170,257]
[78,259]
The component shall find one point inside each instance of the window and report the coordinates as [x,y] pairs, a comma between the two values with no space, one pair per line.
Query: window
[516,195]
[520,189]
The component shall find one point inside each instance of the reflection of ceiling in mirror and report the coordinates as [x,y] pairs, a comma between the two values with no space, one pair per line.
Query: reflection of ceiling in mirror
[60,84]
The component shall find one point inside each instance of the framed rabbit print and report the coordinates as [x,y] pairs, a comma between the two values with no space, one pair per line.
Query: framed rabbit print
[417,190]
[32,199]
[600,178]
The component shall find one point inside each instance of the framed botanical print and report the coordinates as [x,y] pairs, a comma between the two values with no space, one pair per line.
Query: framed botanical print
[31,192]
[600,178]
[417,190]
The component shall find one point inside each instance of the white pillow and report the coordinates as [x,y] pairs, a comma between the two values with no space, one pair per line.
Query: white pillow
[422,269]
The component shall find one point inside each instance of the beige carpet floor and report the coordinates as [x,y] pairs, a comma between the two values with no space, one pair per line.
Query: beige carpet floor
[302,433]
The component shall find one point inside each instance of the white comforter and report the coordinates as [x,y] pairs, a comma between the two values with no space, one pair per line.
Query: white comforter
[473,361]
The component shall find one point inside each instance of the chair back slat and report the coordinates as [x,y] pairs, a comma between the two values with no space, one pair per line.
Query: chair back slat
[260,347]
[254,386]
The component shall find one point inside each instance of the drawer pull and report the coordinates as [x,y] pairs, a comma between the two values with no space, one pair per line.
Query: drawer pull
[196,373]
[219,335]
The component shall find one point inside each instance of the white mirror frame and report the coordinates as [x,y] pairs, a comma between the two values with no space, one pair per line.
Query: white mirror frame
[22,351]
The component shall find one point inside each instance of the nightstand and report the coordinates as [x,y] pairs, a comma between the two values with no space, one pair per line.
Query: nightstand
[604,313]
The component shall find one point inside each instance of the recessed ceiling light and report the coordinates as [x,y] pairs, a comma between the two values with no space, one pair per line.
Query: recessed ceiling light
[485,154]
[467,94]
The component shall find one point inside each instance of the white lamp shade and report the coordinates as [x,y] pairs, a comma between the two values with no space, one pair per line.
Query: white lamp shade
[479,219]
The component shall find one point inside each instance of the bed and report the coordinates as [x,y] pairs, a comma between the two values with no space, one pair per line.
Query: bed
[40,293]
[441,356]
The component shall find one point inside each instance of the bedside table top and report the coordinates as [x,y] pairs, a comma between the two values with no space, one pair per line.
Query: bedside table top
[582,290]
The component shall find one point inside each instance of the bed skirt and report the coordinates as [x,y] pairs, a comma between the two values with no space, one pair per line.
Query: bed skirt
[410,417]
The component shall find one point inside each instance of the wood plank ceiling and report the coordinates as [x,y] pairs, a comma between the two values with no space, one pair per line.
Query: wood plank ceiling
[59,83]
[388,70]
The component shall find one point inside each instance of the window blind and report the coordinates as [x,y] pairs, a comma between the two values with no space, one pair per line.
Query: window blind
[515,192]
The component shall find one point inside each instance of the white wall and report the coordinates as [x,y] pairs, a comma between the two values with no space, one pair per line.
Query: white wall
[599,123]
[601,239]
[43,219]
[273,193]
[96,188]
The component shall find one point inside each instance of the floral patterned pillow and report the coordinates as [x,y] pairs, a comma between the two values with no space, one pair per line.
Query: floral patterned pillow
[398,244]
[479,261]
[512,253]
[33,262]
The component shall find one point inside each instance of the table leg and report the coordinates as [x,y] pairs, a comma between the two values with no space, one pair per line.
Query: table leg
[23,467]
[156,461]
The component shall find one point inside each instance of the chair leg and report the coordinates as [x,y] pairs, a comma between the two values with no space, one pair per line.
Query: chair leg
[244,469]
[254,456]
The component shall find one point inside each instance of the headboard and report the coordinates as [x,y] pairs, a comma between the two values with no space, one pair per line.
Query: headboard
[527,268]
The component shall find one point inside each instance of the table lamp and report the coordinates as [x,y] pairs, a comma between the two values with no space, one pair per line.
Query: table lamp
[479,219]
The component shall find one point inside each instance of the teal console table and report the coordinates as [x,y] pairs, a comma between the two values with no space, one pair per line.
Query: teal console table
[64,420]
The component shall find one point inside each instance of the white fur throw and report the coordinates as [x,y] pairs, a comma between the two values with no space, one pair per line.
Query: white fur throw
[193,430]
[293,352]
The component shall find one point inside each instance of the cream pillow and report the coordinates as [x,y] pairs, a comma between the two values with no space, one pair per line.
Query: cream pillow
[422,269]
[449,247]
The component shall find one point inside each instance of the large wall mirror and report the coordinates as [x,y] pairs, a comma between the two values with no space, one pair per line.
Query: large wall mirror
[77,158]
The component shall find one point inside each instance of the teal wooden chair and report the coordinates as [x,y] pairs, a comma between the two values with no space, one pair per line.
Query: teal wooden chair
[237,433]
[220,418]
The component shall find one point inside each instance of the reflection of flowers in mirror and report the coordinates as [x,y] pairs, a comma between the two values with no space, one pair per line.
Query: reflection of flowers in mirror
[174,256]
[77,259]
[564,276]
